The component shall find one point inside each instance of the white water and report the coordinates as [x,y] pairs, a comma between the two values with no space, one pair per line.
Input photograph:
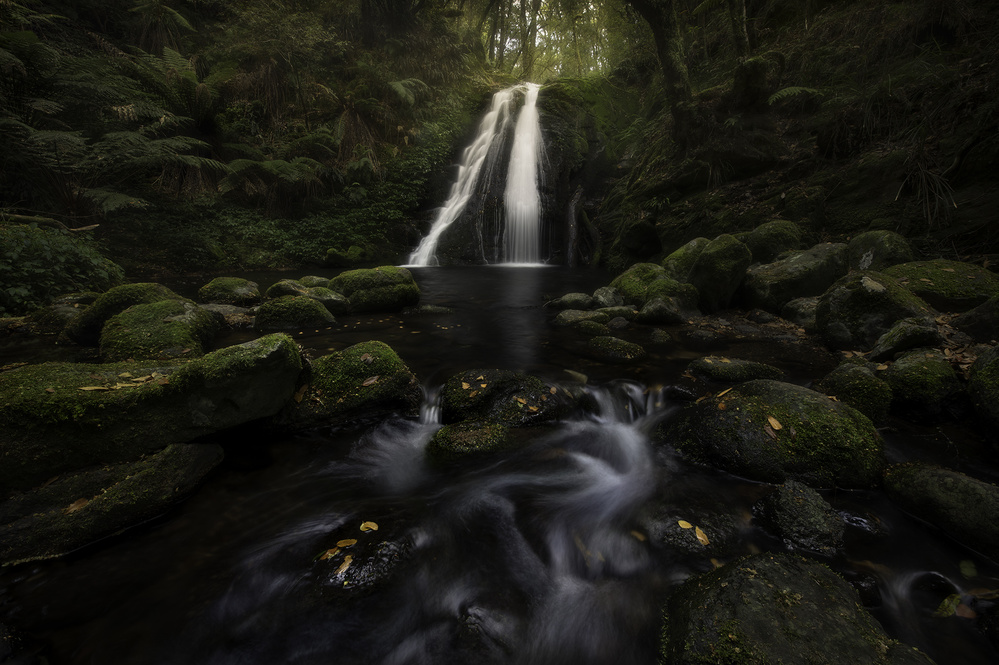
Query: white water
[522,200]
[481,153]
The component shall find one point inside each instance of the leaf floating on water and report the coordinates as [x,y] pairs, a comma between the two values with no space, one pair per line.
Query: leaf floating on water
[465,386]
[346,542]
[965,612]
[948,606]
[75,506]
[369,526]
[684,524]
[701,538]
[639,536]
[968,569]
[370,381]
[774,423]
[347,560]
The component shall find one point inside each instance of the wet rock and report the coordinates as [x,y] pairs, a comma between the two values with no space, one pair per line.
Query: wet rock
[633,283]
[467,439]
[661,311]
[949,286]
[702,339]
[61,417]
[293,313]
[84,507]
[607,296]
[718,272]
[857,384]
[335,303]
[798,275]
[801,311]
[230,291]
[769,240]
[707,531]
[905,335]
[983,386]
[773,431]
[571,317]
[660,336]
[369,563]
[382,289]
[801,518]
[286,287]
[591,328]
[86,327]
[364,380]
[859,308]
[428,310]
[732,370]
[313,281]
[877,250]
[982,322]
[614,350]
[577,301]
[963,507]
[923,383]
[160,330]
[774,608]
[679,263]
[509,398]
[54,317]
[620,312]
[618,323]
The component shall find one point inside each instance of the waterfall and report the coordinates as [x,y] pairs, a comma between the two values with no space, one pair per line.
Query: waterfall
[522,200]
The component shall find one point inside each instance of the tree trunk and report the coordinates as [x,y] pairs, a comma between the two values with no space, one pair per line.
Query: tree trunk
[737,13]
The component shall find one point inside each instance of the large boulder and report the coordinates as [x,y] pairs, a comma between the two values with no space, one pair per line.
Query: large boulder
[769,240]
[160,330]
[732,370]
[802,274]
[983,386]
[959,505]
[230,291]
[292,313]
[383,289]
[501,396]
[982,322]
[773,431]
[86,327]
[634,282]
[578,301]
[81,508]
[775,608]
[286,287]
[468,439]
[907,334]
[855,311]
[877,250]
[923,383]
[59,417]
[856,384]
[800,517]
[718,271]
[679,263]
[949,286]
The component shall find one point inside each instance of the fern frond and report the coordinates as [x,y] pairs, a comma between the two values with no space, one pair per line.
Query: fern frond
[107,201]
[792,91]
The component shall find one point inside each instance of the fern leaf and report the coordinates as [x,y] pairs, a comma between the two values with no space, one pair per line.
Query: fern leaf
[792,91]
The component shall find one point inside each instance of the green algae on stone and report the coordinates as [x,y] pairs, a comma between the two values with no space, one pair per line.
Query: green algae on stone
[949,286]
[718,272]
[923,383]
[510,398]
[858,385]
[230,291]
[679,263]
[772,238]
[614,350]
[165,329]
[311,281]
[733,370]
[634,282]
[467,439]
[382,289]
[291,313]
[818,441]
[286,287]
[86,328]
[590,328]
[335,303]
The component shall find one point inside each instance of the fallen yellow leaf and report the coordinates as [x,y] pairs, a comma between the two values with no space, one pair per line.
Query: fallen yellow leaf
[346,542]
[684,524]
[725,360]
[328,554]
[465,386]
[369,526]
[723,392]
[701,538]
[522,400]
[345,565]
[75,506]
[553,390]
[774,423]
[370,381]
[95,388]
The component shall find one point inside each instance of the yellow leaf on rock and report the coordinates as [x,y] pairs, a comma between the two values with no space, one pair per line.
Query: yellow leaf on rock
[701,538]
[553,390]
[369,526]
[328,554]
[346,542]
[726,360]
[882,367]
[465,386]
[684,524]
[480,378]
[300,393]
[532,408]
[88,388]
[522,400]
[75,506]
[344,566]
[370,381]
[473,393]
[482,385]
[774,423]
[723,392]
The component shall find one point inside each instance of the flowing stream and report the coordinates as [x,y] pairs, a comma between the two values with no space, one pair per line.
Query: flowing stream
[545,555]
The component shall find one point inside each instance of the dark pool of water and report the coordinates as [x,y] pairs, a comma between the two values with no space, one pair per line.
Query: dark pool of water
[527,558]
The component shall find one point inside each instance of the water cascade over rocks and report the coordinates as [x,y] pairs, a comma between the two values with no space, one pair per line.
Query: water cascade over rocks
[486,229]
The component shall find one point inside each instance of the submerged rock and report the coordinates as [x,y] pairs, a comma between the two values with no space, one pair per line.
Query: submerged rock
[84,507]
[877,250]
[799,275]
[502,396]
[775,608]
[293,313]
[86,327]
[718,272]
[773,431]
[856,384]
[733,370]
[949,286]
[230,291]
[382,289]
[160,330]
[801,518]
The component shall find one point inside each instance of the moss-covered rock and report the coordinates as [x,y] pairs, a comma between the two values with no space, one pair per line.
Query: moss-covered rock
[732,370]
[679,263]
[949,286]
[923,383]
[769,240]
[905,335]
[60,417]
[335,303]
[959,505]
[286,287]
[855,311]
[84,507]
[54,317]
[718,272]
[683,294]
[877,250]
[634,282]
[857,384]
[86,328]
[620,312]
[230,291]
[661,311]
[570,317]
[467,439]
[382,289]
[160,330]
[292,313]
[774,608]
[982,322]
[367,379]
[591,328]
[801,311]
[614,350]
[801,518]
[312,281]
[983,386]
[509,398]
[578,301]
[816,440]
[800,275]
[607,296]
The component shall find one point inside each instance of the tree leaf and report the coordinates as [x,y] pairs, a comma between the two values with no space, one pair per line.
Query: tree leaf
[965,612]
[75,506]
[346,542]
[300,393]
[347,560]
[723,392]
[370,381]
[774,423]
[465,386]
[369,526]
[328,554]
[89,388]
[701,537]
[684,524]
[639,536]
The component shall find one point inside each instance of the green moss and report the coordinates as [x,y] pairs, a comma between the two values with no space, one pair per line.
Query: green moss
[983,386]
[733,369]
[286,287]
[86,328]
[634,283]
[614,350]
[856,385]
[878,249]
[922,381]
[571,317]
[950,286]
[768,240]
[166,329]
[230,291]
[226,365]
[382,289]
[679,263]
[466,439]
[291,312]
[311,281]
[719,271]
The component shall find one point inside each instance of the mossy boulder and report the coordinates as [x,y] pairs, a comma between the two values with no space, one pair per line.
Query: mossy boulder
[364,380]
[571,317]
[335,303]
[857,384]
[230,291]
[718,272]
[959,505]
[86,327]
[816,440]
[83,507]
[160,330]
[662,311]
[591,328]
[679,263]
[682,294]
[578,301]
[800,517]
[800,275]
[949,286]
[982,322]
[54,317]
[60,417]
[733,370]
[775,608]
[286,287]
[292,313]
[923,383]
[382,289]
[877,250]
[502,396]
[905,335]
[855,311]
[801,311]
[769,240]
[614,350]
[634,282]
[625,312]
[607,296]
[468,439]
[983,386]
[312,281]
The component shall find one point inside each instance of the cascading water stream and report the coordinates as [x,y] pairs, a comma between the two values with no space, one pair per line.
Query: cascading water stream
[522,200]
